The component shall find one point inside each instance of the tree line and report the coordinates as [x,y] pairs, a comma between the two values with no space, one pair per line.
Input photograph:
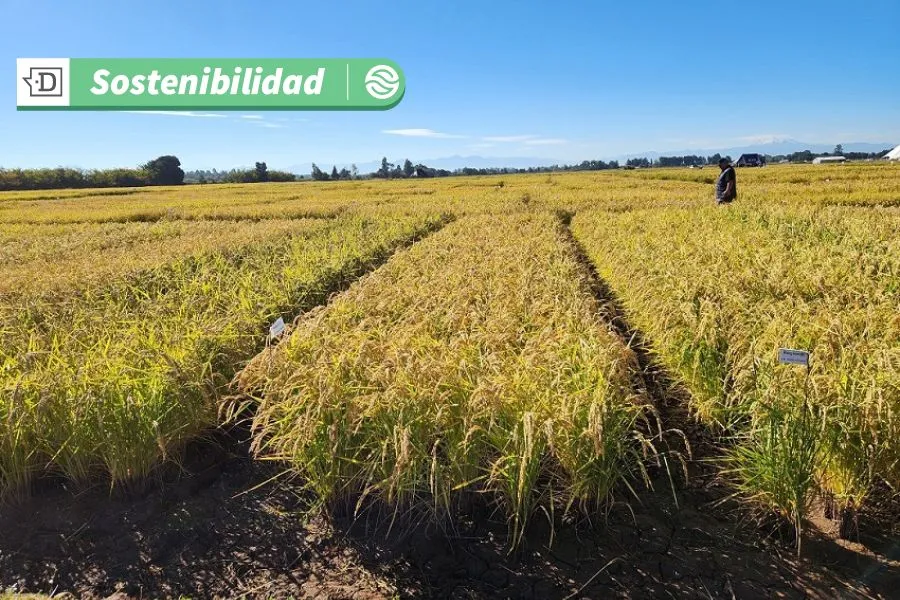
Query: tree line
[687,160]
[260,173]
[794,157]
[164,170]
[808,156]
[344,174]
[389,170]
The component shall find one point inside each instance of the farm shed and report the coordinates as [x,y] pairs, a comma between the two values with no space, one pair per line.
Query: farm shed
[893,154]
[828,159]
[751,160]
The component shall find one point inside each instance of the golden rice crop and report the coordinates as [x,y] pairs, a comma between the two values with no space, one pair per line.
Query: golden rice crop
[854,184]
[857,184]
[40,259]
[262,201]
[475,360]
[719,290]
[110,379]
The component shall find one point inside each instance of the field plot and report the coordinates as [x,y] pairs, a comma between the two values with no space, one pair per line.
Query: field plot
[477,359]
[719,292]
[527,193]
[857,184]
[460,351]
[39,259]
[271,201]
[107,380]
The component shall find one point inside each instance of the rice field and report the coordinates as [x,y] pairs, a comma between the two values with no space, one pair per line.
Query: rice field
[448,338]
[719,292]
[476,360]
[104,380]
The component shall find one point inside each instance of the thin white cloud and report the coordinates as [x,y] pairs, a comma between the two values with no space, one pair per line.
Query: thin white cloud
[508,138]
[545,142]
[424,133]
[765,138]
[178,113]
[269,125]
[257,117]
[482,145]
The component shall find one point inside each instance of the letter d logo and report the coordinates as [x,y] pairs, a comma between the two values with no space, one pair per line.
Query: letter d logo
[42,82]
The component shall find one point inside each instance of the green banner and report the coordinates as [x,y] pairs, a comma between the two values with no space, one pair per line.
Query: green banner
[208,84]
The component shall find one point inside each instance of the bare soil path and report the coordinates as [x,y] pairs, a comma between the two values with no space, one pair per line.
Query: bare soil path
[217,532]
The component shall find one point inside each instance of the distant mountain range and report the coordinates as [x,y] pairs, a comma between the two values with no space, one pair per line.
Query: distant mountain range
[452,163]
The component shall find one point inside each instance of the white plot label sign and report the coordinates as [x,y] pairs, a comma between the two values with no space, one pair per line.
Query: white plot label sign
[276,328]
[788,356]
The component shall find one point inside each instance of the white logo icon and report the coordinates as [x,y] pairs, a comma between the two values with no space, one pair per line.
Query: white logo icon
[382,82]
[42,82]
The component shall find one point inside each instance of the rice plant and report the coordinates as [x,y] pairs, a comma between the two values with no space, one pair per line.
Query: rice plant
[719,291]
[105,381]
[474,364]
[477,361]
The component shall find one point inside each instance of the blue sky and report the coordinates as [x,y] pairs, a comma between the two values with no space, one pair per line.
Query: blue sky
[562,80]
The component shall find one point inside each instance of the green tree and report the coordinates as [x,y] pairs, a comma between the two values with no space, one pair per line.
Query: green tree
[839,150]
[165,170]
[262,171]
[408,168]
[317,173]
[281,176]
[385,171]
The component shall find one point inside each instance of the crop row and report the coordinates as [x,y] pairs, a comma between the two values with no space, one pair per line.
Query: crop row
[109,379]
[719,291]
[475,361]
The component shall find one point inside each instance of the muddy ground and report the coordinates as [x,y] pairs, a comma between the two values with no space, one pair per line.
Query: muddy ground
[223,529]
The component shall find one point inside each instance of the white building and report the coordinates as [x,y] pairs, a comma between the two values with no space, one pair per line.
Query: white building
[893,154]
[828,159]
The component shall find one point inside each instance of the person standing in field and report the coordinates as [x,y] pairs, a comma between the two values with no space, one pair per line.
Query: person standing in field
[726,184]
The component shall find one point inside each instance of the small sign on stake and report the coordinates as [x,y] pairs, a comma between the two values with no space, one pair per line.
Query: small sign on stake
[788,356]
[276,328]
